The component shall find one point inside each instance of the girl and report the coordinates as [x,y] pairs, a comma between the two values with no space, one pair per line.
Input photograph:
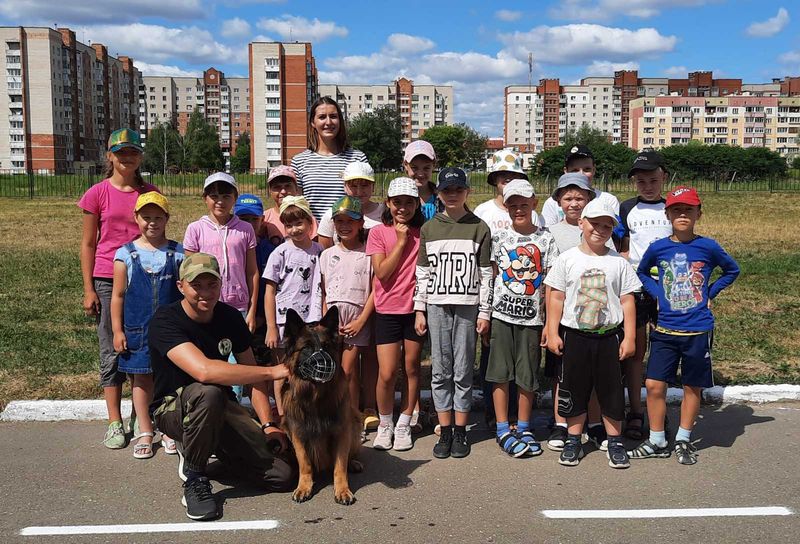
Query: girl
[453,278]
[359,183]
[347,284]
[145,274]
[319,168]
[281,183]
[107,225]
[393,247]
[419,162]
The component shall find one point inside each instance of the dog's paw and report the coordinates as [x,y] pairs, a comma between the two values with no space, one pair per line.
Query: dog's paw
[355,466]
[344,497]
[301,494]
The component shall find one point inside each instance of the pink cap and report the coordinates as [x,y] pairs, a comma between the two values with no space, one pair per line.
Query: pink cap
[281,171]
[419,147]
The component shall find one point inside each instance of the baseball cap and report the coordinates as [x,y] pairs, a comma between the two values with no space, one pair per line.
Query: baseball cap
[577,151]
[452,177]
[573,179]
[505,160]
[358,170]
[248,204]
[152,197]
[402,186]
[220,176]
[199,263]
[647,160]
[419,147]
[349,205]
[122,138]
[281,171]
[297,201]
[518,187]
[683,195]
[598,208]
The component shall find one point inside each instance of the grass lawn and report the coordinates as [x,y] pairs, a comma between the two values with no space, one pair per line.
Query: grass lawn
[48,348]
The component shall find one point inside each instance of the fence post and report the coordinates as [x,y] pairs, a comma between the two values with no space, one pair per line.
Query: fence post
[30,184]
[771,179]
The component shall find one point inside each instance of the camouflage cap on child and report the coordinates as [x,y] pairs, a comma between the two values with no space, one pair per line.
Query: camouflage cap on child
[349,205]
[199,263]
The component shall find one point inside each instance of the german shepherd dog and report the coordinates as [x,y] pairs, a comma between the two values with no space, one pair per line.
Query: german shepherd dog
[322,425]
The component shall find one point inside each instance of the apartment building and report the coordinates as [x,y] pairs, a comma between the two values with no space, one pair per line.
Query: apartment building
[63,99]
[420,106]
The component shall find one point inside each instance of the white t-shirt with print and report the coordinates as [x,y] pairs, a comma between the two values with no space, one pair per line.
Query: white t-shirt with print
[498,219]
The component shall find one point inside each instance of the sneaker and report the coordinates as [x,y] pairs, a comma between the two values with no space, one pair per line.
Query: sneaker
[444,446]
[647,450]
[685,452]
[460,446]
[371,420]
[115,436]
[416,424]
[183,472]
[557,439]
[383,440]
[364,438]
[597,436]
[617,456]
[198,500]
[572,453]
[402,438]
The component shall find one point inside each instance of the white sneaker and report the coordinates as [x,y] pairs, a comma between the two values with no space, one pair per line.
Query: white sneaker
[383,440]
[402,438]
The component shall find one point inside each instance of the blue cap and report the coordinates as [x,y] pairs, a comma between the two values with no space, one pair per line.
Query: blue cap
[248,204]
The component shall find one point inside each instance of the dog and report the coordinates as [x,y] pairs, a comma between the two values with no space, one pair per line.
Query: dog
[324,429]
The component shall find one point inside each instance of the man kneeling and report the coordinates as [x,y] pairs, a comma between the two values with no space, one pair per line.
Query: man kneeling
[190,342]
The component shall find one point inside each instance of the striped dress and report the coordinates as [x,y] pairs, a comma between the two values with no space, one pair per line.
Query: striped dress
[320,177]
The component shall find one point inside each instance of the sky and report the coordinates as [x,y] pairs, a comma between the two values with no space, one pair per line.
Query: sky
[477,47]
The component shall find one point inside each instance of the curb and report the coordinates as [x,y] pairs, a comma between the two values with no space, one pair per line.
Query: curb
[90,410]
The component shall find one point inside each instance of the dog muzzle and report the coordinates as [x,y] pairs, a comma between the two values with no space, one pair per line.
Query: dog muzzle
[315,363]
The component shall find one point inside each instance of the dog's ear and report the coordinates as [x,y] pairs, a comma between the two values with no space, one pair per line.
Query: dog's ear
[331,321]
[294,325]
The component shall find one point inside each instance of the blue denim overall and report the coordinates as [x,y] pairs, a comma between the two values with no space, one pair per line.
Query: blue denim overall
[146,292]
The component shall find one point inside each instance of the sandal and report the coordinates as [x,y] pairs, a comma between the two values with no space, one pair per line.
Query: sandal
[527,438]
[168,445]
[144,450]
[634,432]
[512,445]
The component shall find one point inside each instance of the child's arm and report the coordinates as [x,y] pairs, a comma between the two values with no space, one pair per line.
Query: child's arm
[545,335]
[643,271]
[117,306]
[486,273]
[730,271]
[628,345]
[423,276]
[272,337]
[554,311]
[91,303]
[324,241]
[251,270]
[383,264]
[354,327]
[324,298]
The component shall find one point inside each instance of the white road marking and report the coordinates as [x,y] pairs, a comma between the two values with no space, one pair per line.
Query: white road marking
[668,513]
[255,525]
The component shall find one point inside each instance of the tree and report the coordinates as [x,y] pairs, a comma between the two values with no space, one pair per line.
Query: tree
[161,149]
[202,143]
[378,135]
[456,145]
[240,162]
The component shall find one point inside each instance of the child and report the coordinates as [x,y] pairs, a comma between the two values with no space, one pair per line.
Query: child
[591,297]
[419,161]
[347,284]
[393,248]
[359,183]
[685,327]
[522,255]
[281,183]
[453,279]
[108,223]
[642,222]
[145,277]
[580,160]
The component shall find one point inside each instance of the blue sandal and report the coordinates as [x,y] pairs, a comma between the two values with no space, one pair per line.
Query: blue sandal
[527,438]
[512,445]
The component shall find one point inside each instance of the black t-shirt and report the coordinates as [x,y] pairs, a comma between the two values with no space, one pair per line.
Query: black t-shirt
[170,327]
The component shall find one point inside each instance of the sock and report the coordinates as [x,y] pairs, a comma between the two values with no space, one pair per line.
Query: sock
[593,425]
[614,438]
[446,430]
[683,434]
[562,425]
[502,428]
[404,419]
[461,428]
[523,426]
[193,475]
[386,420]
[659,438]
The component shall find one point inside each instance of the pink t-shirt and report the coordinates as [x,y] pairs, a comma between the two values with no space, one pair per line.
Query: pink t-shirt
[114,210]
[395,295]
[229,243]
[348,275]
[275,231]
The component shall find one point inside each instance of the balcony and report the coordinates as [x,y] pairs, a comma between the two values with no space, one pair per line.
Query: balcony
[16,145]
[18,131]
[15,117]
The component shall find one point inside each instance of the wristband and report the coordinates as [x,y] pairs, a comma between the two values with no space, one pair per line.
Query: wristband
[267,425]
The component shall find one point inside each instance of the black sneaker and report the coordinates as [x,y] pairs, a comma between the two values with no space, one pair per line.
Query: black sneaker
[617,455]
[597,436]
[557,438]
[183,472]
[460,447]
[685,452]
[572,453]
[442,448]
[198,500]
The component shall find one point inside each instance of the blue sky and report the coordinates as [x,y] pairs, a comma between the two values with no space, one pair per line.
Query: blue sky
[478,47]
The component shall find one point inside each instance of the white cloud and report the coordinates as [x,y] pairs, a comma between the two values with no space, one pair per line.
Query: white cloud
[472,67]
[579,43]
[770,27]
[235,28]
[606,68]
[508,15]
[676,71]
[604,10]
[407,44]
[89,11]
[294,28]
[148,69]
[790,57]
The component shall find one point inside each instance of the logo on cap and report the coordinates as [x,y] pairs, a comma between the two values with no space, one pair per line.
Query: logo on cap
[574,149]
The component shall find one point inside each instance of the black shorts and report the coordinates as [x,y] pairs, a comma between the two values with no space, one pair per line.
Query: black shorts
[591,361]
[646,309]
[392,328]
[552,364]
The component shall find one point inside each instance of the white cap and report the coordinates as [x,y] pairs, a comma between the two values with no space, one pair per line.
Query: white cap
[598,208]
[402,186]
[517,187]
[220,176]
[358,170]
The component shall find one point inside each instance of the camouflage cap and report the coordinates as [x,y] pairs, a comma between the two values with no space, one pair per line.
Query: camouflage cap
[348,205]
[199,263]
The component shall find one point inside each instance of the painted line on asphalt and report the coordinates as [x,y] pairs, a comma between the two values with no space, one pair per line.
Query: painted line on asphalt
[255,525]
[668,513]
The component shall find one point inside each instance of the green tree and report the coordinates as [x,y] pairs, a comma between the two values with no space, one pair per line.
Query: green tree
[796,163]
[377,134]
[456,145]
[161,149]
[202,144]
[240,162]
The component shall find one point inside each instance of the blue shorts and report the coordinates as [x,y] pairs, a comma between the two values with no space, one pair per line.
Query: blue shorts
[693,353]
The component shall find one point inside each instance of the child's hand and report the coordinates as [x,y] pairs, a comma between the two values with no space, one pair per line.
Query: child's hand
[627,348]
[543,340]
[271,340]
[120,342]
[351,329]
[91,304]
[420,324]
[250,319]
[483,328]
[401,230]
[555,345]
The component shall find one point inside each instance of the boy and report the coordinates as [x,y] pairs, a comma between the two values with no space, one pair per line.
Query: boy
[642,222]
[685,327]
[522,255]
[579,160]
[359,182]
[282,182]
[591,300]
[419,161]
